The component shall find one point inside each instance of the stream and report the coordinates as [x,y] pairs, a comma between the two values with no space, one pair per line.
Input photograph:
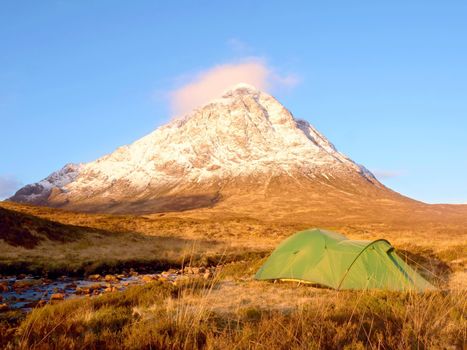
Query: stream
[25,292]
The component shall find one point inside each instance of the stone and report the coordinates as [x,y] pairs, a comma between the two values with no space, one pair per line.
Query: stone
[111,278]
[148,278]
[95,286]
[57,296]
[80,291]
[95,277]
[21,285]
[4,287]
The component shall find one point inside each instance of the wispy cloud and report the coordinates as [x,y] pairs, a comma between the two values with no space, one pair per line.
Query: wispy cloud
[387,174]
[201,87]
[8,185]
[238,46]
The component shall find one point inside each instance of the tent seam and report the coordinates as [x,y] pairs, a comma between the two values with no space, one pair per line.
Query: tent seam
[358,255]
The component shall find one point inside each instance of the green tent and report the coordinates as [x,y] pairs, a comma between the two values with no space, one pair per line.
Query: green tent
[330,259]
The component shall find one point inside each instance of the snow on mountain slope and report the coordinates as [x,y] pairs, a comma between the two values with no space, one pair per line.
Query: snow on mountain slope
[245,134]
[39,192]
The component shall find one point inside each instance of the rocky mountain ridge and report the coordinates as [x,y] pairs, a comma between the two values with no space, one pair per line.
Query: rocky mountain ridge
[246,141]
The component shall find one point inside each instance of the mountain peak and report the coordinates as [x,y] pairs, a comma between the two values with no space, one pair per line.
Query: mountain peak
[241,88]
[246,136]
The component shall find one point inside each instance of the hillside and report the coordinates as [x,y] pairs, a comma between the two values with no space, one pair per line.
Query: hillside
[27,231]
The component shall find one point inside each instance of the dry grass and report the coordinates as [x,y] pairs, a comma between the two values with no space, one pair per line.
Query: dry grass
[32,244]
[232,312]
[437,242]
[111,254]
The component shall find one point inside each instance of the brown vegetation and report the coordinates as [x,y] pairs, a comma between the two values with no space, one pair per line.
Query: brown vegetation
[235,311]
[24,230]
[232,311]
[429,237]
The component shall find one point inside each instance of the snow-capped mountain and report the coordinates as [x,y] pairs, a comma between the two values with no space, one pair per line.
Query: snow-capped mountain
[245,141]
[39,192]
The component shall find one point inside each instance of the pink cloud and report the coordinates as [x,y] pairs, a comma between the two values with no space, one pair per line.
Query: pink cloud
[211,83]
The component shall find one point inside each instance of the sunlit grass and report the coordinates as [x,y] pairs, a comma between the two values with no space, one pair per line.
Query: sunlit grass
[219,315]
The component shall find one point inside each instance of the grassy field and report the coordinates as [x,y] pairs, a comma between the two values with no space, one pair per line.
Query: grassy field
[232,310]
[30,244]
[159,239]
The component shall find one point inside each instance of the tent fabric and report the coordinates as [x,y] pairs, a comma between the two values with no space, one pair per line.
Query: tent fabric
[330,259]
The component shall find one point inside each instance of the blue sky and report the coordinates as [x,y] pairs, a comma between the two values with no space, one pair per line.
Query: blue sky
[386,82]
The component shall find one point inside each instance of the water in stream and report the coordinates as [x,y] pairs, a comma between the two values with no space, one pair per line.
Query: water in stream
[26,293]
